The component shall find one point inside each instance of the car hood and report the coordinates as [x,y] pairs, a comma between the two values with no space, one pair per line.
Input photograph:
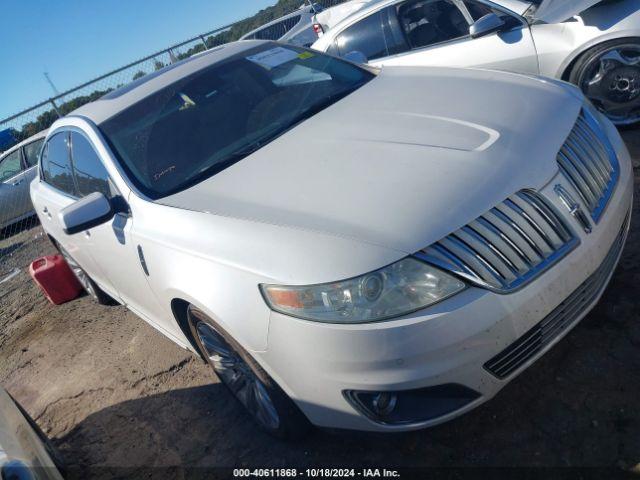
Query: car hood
[413,155]
[555,11]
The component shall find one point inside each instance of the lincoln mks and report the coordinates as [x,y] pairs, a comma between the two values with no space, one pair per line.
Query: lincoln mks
[347,247]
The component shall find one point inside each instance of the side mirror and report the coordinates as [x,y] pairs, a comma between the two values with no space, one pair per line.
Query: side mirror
[86,213]
[356,57]
[486,25]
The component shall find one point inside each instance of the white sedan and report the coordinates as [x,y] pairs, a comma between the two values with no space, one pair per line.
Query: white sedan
[347,247]
[594,44]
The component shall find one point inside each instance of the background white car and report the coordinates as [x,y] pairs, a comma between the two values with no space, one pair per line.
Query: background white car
[17,170]
[596,48]
[345,246]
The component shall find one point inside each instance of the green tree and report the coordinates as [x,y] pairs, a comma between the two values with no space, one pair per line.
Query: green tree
[138,74]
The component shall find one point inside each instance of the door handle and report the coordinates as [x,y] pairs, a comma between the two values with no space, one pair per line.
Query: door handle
[16,183]
[45,210]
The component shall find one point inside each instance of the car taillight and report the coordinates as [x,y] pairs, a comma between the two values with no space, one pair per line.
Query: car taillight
[318,29]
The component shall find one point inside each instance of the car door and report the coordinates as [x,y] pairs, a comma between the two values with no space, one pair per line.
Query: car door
[436,33]
[13,188]
[56,189]
[110,245]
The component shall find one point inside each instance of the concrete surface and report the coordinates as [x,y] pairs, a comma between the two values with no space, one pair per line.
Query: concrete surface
[112,392]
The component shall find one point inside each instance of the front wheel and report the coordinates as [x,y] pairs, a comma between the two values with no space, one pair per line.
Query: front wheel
[609,75]
[89,286]
[262,398]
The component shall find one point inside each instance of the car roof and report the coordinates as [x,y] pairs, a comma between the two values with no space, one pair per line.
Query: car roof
[118,100]
[32,138]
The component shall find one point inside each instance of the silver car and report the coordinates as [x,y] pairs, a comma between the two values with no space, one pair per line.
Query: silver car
[594,44]
[17,169]
[295,28]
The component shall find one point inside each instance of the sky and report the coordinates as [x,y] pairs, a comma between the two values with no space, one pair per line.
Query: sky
[75,40]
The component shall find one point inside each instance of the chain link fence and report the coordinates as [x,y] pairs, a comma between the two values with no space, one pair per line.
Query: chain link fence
[18,223]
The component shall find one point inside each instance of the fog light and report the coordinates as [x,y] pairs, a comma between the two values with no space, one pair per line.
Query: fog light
[411,406]
[384,403]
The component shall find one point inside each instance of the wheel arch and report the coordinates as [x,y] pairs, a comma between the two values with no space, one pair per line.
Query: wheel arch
[567,65]
[179,308]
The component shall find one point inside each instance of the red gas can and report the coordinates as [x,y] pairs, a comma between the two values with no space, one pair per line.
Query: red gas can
[55,279]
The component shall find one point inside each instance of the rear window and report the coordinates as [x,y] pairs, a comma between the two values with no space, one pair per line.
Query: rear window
[202,124]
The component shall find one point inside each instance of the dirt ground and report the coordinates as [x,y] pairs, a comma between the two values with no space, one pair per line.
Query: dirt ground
[112,392]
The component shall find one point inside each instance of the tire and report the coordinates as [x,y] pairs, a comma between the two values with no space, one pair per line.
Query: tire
[89,286]
[268,405]
[610,77]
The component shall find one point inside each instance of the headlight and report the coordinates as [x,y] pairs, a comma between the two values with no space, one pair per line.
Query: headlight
[399,289]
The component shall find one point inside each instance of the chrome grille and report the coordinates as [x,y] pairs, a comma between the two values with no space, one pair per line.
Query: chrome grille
[560,319]
[506,247]
[589,163]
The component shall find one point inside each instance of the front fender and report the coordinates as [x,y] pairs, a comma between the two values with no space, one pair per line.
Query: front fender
[565,67]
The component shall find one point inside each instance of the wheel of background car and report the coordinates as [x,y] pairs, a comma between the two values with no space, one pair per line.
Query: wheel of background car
[609,75]
[93,290]
[263,399]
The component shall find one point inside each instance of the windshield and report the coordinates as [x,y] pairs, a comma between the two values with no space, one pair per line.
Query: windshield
[205,122]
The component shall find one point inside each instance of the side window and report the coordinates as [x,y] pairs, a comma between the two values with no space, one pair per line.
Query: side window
[91,175]
[333,49]
[56,164]
[10,166]
[373,36]
[32,151]
[428,22]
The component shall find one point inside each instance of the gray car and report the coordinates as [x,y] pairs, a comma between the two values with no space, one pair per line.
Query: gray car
[17,169]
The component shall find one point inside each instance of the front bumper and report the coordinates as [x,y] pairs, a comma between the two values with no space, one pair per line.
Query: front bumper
[453,342]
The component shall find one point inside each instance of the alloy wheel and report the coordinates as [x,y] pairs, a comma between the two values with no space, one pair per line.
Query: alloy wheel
[238,376]
[80,274]
[611,80]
